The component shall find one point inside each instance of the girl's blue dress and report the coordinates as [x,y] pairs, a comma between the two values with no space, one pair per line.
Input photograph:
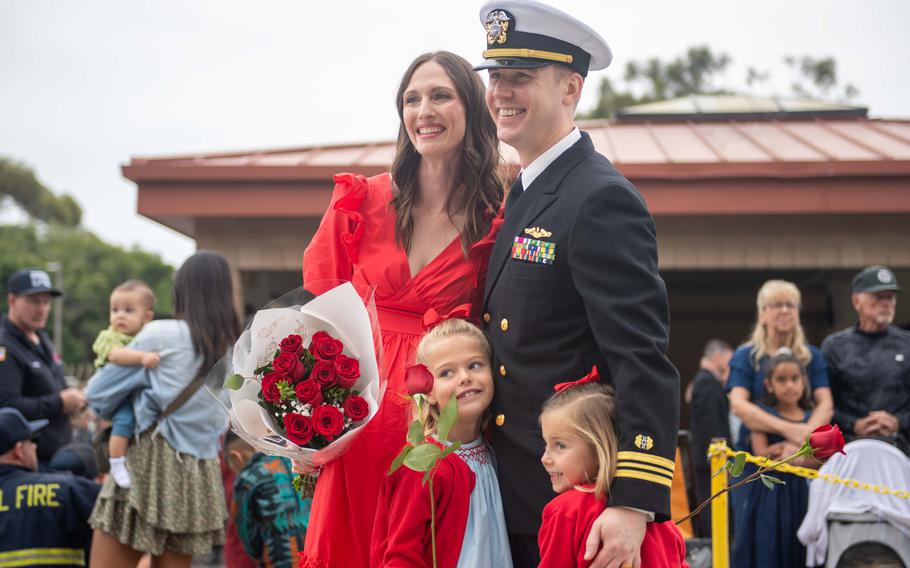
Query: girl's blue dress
[767,523]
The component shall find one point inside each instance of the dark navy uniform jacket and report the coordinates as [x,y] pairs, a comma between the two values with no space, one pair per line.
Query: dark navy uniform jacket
[600,302]
[31,378]
[44,517]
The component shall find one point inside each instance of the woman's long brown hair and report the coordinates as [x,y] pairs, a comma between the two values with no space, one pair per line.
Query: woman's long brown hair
[204,299]
[478,187]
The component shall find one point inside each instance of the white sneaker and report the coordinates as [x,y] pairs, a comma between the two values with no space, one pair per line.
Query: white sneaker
[120,473]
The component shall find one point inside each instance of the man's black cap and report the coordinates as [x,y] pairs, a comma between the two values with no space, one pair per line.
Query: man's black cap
[31,281]
[875,278]
[14,428]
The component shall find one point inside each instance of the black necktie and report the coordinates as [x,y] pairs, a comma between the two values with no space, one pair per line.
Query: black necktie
[514,193]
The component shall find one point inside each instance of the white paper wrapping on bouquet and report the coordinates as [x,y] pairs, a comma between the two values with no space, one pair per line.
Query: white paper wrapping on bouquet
[340,312]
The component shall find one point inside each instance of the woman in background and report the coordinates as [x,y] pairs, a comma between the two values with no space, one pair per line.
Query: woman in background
[174,508]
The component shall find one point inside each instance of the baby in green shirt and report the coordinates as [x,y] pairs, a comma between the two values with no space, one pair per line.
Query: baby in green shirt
[132,306]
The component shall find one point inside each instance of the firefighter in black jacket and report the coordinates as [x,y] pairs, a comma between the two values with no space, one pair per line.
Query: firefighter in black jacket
[43,516]
[31,370]
[572,283]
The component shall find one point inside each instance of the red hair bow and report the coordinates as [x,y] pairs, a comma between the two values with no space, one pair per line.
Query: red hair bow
[432,318]
[592,377]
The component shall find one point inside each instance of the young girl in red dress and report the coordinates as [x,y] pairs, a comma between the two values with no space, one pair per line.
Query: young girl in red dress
[470,525]
[579,430]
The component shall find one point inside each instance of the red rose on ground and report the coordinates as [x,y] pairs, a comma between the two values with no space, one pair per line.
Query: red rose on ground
[356,407]
[418,380]
[289,365]
[309,392]
[324,346]
[270,390]
[324,373]
[328,421]
[299,428]
[347,369]
[826,440]
[292,344]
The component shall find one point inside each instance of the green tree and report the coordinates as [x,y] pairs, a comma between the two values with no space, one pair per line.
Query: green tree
[18,182]
[91,268]
[698,71]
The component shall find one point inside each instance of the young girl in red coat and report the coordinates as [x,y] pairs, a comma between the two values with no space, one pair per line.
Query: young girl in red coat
[579,429]
[470,525]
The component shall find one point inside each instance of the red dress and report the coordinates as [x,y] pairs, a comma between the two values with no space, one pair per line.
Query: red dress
[356,241]
[401,533]
[567,519]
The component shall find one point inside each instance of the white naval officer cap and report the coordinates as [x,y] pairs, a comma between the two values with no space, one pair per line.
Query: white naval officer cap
[524,34]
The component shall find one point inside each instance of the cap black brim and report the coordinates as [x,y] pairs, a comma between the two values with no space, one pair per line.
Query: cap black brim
[52,291]
[883,288]
[512,63]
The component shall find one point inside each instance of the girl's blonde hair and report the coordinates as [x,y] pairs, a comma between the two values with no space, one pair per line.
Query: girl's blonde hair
[760,342]
[590,409]
[448,328]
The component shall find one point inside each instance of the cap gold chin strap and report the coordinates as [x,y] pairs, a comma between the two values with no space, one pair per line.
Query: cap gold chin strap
[522,52]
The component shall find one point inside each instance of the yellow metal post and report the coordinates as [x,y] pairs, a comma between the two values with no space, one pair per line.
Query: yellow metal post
[720,545]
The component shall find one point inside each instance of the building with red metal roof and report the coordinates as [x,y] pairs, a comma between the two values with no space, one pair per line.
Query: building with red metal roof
[740,194]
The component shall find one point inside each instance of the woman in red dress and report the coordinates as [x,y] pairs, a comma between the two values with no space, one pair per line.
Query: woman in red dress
[421,242]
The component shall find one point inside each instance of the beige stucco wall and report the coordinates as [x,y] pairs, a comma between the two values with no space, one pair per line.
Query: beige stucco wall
[783,242]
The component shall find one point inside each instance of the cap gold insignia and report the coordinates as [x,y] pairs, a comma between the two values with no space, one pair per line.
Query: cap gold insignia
[643,442]
[497,26]
[537,232]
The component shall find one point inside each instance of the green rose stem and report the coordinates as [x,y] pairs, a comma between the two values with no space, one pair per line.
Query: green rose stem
[419,455]
[805,450]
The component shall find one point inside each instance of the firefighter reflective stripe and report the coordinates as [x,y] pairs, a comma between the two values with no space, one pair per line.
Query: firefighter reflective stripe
[42,557]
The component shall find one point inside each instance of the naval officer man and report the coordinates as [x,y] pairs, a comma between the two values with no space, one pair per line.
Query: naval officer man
[572,283]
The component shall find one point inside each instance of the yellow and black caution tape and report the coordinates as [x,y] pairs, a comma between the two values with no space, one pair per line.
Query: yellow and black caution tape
[717,447]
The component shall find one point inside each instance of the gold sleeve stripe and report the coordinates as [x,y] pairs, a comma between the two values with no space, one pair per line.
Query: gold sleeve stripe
[635,465]
[647,458]
[644,476]
[523,52]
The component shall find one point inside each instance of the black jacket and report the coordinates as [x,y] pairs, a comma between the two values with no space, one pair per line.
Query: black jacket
[601,302]
[710,418]
[869,371]
[44,517]
[31,378]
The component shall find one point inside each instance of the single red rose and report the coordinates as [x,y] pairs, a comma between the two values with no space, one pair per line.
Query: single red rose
[323,372]
[289,365]
[324,346]
[328,421]
[356,407]
[418,379]
[309,392]
[299,428]
[270,390]
[826,440]
[292,344]
[348,371]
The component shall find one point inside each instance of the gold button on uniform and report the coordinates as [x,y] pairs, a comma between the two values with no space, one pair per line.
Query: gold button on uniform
[504,324]
[500,419]
[502,370]
[486,317]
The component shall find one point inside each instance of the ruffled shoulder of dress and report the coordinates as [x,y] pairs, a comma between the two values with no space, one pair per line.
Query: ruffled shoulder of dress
[348,197]
[479,253]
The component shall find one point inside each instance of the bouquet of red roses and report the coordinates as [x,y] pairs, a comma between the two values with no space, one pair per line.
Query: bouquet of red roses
[303,377]
[310,391]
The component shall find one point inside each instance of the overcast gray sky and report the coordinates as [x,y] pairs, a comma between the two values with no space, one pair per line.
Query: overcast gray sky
[85,85]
